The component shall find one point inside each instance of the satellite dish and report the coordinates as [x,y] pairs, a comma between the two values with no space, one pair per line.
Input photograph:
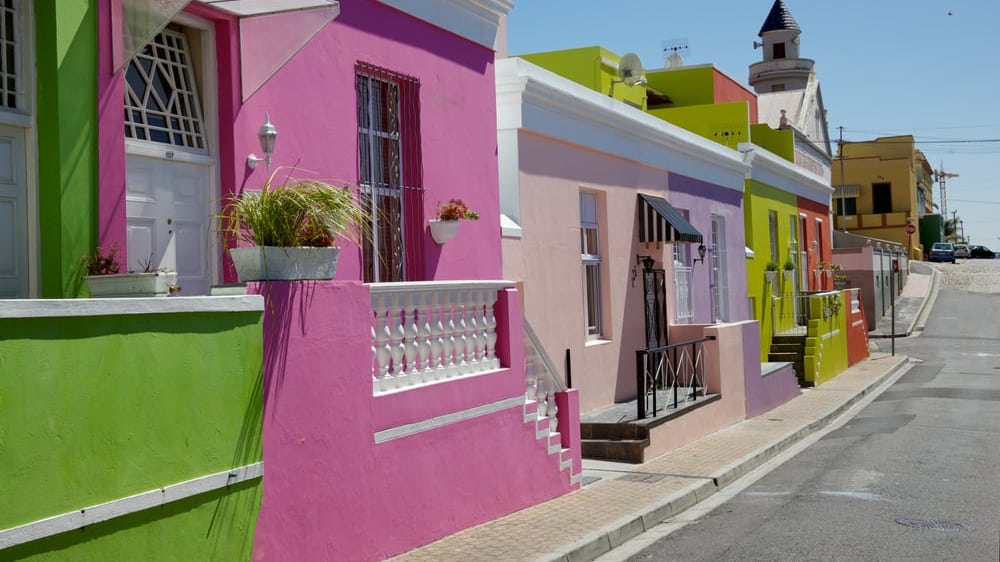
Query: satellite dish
[630,70]
[674,60]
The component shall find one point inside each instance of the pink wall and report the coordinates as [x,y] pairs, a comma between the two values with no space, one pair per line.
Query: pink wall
[312,102]
[330,491]
[547,260]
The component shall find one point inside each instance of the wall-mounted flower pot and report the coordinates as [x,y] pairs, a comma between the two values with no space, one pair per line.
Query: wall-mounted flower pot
[443,231]
[772,279]
[273,263]
[159,284]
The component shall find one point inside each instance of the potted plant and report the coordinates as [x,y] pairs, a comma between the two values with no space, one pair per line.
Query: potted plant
[449,216]
[105,279]
[839,281]
[771,274]
[789,267]
[293,228]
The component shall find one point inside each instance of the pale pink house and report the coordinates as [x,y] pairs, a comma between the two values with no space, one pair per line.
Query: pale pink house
[395,409]
[589,187]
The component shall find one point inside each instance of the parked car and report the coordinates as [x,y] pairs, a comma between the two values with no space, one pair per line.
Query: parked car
[962,251]
[981,252]
[942,251]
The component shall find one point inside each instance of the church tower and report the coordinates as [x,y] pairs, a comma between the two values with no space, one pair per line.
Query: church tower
[782,69]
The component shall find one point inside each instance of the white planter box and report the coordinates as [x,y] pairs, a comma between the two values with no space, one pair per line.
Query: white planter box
[443,231]
[132,285]
[272,263]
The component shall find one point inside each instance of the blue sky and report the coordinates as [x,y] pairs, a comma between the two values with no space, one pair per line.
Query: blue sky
[885,67]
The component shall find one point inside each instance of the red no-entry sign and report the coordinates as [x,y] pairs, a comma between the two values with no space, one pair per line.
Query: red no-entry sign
[910,229]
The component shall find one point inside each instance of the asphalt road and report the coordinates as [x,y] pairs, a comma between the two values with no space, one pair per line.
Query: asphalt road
[915,475]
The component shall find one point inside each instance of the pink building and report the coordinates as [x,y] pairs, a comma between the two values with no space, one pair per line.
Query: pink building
[395,409]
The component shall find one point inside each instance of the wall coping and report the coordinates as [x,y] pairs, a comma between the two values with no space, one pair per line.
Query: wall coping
[475,20]
[771,169]
[52,308]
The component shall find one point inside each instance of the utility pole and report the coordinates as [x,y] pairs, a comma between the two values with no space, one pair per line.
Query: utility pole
[954,226]
[843,182]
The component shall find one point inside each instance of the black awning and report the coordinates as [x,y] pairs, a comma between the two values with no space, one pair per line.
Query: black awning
[659,221]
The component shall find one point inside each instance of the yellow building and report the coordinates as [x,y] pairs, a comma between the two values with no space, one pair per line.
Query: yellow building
[881,186]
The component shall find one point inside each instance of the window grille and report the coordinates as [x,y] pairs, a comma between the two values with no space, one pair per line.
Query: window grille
[390,173]
[10,58]
[161,95]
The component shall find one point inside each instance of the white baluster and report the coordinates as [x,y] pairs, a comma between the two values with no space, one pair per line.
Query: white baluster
[461,337]
[411,347]
[551,410]
[450,342]
[437,341]
[425,335]
[472,310]
[382,352]
[396,345]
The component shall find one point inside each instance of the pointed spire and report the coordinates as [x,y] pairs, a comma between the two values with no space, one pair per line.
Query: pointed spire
[779,19]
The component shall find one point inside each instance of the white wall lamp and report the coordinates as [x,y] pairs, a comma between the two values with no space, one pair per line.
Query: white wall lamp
[267,134]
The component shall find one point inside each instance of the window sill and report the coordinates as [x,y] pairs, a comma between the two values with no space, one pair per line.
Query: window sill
[596,341]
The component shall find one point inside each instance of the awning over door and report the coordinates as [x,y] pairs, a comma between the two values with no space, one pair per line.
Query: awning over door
[659,221]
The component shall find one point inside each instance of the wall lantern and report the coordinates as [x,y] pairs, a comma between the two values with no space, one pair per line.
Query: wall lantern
[267,136]
[701,254]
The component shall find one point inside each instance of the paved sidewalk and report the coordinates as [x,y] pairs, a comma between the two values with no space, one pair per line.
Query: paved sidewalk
[603,515]
[920,285]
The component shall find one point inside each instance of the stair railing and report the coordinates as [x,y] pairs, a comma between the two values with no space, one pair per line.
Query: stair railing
[678,368]
[541,378]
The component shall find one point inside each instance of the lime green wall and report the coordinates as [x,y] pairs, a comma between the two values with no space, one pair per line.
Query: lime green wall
[97,408]
[66,102]
[724,123]
[590,67]
[685,86]
[778,141]
[826,342]
[774,313]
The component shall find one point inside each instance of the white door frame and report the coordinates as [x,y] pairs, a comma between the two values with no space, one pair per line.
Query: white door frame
[210,158]
[24,119]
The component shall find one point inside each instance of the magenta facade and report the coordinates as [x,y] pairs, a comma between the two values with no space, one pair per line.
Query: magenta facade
[334,489]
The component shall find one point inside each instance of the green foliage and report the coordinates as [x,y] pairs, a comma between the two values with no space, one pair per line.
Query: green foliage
[789,265]
[295,213]
[771,266]
[454,210]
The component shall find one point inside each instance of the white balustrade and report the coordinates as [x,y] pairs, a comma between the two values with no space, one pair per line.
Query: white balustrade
[425,332]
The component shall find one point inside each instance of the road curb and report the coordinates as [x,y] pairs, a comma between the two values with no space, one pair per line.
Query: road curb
[618,533]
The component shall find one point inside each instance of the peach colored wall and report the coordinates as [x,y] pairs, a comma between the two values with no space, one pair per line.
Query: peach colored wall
[547,260]
[331,492]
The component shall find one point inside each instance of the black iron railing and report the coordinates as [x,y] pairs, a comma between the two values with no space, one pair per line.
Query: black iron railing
[675,371]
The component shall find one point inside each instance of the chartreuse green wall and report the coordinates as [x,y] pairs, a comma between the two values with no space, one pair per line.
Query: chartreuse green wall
[724,123]
[97,408]
[685,86]
[780,142]
[826,340]
[66,117]
[590,67]
[774,313]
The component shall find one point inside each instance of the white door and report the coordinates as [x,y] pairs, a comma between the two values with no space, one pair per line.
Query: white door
[167,212]
[13,216]
[169,164]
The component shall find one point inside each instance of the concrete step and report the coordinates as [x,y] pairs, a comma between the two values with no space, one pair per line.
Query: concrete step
[625,450]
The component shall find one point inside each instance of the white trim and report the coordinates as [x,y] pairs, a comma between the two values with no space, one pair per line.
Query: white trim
[244,8]
[829,335]
[447,419]
[773,170]
[508,227]
[532,98]
[475,20]
[62,308]
[91,515]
